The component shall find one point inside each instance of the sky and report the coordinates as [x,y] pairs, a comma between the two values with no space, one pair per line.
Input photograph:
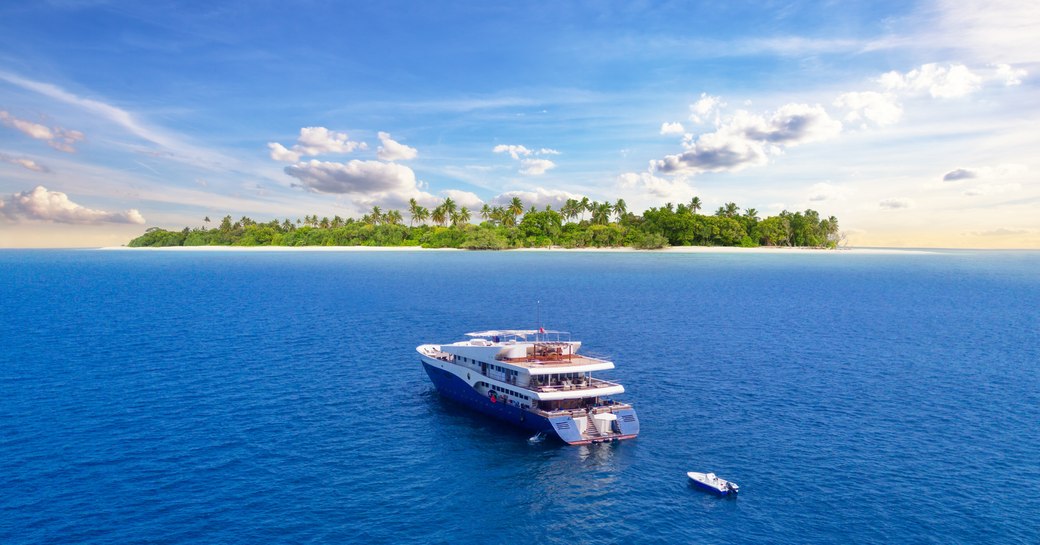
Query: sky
[914,123]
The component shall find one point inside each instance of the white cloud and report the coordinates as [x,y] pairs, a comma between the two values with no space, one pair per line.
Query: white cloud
[391,150]
[677,189]
[952,81]
[672,128]
[983,30]
[528,166]
[464,198]
[54,206]
[539,198]
[535,167]
[896,203]
[314,141]
[281,153]
[514,151]
[704,108]
[747,139]
[1010,76]
[878,108]
[24,162]
[354,177]
[56,137]
[175,146]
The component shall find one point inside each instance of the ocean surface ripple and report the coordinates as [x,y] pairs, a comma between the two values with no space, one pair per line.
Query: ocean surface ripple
[219,397]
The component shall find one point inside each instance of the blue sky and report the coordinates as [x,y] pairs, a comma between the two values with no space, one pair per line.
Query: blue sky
[914,123]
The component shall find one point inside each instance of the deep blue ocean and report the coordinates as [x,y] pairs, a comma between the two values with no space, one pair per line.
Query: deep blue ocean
[262,397]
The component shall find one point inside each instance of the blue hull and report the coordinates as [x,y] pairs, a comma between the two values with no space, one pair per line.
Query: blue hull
[456,389]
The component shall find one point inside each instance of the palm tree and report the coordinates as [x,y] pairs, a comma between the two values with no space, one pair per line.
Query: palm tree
[570,209]
[601,213]
[413,211]
[515,208]
[324,222]
[449,206]
[422,214]
[464,215]
[393,217]
[498,215]
[695,204]
[376,216]
[439,215]
[732,210]
[751,214]
[485,211]
[584,206]
[620,207]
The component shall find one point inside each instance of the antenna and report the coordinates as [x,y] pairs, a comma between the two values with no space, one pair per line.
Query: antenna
[538,315]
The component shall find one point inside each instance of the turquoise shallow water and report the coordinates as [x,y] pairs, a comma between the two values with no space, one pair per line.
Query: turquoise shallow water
[276,398]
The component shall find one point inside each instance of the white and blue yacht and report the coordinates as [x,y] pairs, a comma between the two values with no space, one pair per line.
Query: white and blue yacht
[535,379]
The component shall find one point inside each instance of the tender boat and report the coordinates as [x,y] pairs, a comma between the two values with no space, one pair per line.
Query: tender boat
[710,481]
[534,379]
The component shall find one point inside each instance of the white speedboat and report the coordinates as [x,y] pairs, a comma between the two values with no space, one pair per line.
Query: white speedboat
[711,481]
[534,379]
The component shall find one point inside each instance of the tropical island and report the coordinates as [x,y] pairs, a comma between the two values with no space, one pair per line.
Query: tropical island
[608,225]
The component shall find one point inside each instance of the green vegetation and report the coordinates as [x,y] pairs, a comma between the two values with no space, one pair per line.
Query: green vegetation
[503,227]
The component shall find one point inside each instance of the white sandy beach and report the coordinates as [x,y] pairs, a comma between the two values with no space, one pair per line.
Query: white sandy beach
[670,250]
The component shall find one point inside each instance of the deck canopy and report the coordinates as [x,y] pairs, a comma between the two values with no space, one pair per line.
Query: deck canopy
[515,332]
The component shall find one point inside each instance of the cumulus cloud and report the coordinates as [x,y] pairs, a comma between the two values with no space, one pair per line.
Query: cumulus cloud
[1010,76]
[354,177]
[528,166]
[960,174]
[535,167]
[539,198]
[704,108]
[56,137]
[748,139]
[55,206]
[878,108]
[314,141]
[24,162]
[952,81]
[672,128]
[677,189]
[896,203]
[464,198]
[514,151]
[391,150]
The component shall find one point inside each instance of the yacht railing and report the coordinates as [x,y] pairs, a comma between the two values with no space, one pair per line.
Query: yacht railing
[568,385]
[560,386]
